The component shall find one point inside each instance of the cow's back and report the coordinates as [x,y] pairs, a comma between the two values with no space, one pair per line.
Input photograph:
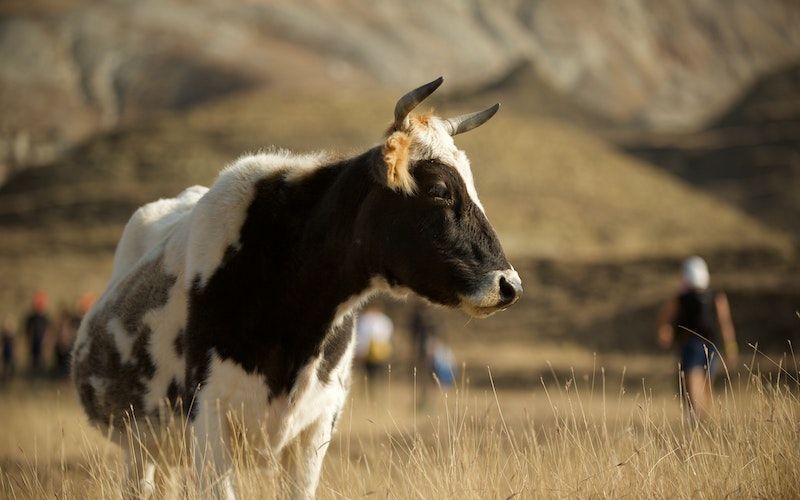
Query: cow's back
[148,227]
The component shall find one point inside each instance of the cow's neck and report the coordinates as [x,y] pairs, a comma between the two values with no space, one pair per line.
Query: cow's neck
[297,270]
[334,268]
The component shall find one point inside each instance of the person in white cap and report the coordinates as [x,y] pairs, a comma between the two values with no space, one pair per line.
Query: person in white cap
[374,339]
[694,322]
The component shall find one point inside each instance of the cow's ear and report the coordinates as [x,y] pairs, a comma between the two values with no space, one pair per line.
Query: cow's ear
[396,161]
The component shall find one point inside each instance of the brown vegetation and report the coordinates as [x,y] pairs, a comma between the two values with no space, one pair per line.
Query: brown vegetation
[581,436]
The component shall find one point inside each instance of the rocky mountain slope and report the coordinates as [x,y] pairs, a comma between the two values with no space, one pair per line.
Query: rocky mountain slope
[748,157]
[72,68]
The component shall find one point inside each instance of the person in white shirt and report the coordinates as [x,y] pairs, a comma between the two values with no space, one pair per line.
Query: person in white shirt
[374,339]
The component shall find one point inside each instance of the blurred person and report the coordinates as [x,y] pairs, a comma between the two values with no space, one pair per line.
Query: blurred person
[423,328]
[37,324]
[374,331]
[85,303]
[66,330]
[443,362]
[7,337]
[693,321]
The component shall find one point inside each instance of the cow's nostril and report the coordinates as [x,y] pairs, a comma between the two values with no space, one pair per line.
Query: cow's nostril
[508,293]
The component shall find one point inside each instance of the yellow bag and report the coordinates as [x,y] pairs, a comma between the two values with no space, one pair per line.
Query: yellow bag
[379,351]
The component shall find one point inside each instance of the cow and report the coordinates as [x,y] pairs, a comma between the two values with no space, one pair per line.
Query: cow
[241,297]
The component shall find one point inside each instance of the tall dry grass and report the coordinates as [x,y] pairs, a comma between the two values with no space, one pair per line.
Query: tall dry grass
[581,437]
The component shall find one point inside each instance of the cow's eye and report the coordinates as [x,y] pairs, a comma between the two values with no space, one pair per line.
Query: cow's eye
[439,191]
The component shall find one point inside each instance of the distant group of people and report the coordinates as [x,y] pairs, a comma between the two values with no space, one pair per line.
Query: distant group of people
[432,358]
[42,333]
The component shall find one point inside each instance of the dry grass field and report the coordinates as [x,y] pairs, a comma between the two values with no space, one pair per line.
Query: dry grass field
[585,435]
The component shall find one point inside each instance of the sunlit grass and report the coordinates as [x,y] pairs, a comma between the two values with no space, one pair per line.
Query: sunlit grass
[580,437]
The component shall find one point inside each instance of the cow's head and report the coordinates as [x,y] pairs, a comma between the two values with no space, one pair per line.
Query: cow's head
[425,218]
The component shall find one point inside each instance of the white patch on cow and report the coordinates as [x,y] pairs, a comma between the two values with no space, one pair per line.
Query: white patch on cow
[431,141]
[308,401]
[229,388]
[149,226]
[123,341]
[291,413]
[379,284]
[166,324]
[229,397]
[483,302]
[218,216]
[463,166]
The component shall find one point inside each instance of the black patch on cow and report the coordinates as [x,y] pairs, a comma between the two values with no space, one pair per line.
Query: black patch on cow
[269,306]
[89,401]
[438,243]
[174,393]
[308,245]
[196,375]
[335,419]
[179,342]
[198,351]
[120,384]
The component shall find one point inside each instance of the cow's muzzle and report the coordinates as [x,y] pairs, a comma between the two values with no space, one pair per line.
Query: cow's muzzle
[499,289]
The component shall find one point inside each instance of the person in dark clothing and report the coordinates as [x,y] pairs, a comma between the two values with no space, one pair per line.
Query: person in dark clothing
[423,329]
[66,330]
[697,321]
[37,324]
[7,335]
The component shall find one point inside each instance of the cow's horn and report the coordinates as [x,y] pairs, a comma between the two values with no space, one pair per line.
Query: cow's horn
[465,123]
[412,99]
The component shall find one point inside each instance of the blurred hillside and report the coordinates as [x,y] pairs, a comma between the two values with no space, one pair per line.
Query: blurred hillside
[551,190]
[632,134]
[749,156]
[71,68]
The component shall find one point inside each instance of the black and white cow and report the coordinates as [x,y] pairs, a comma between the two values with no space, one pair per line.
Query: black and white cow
[242,297]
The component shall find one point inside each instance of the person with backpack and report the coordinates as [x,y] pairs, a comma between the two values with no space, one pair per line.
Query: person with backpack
[697,321]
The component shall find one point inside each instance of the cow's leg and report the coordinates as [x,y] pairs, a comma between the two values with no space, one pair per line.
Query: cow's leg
[139,476]
[302,458]
[211,443]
